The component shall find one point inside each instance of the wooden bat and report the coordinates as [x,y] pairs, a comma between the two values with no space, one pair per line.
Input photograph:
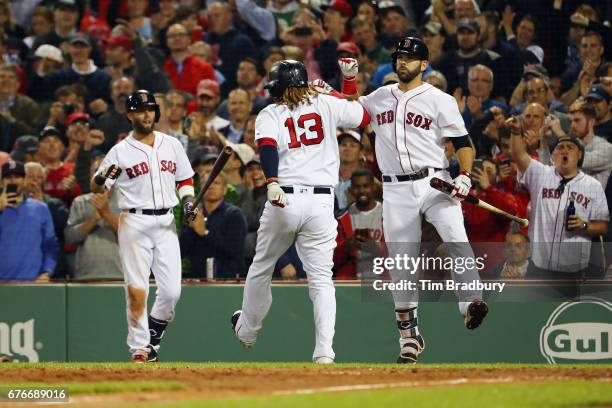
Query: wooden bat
[447,188]
[226,153]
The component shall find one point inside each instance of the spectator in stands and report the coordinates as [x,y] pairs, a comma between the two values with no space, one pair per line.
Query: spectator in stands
[360,230]
[165,15]
[42,23]
[25,149]
[551,187]
[65,18]
[283,10]
[60,182]
[173,115]
[600,99]
[185,70]
[537,90]
[483,225]
[393,21]
[518,264]
[92,225]
[534,118]
[236,165]
[351,160]
[257,22]
[577,79]
[456,64]
[525,29]
[231,46]
[485,131]
[480,85]
[28,246]
[47,58]
[434,38]
[248,76]
[252,201]
[20,109]
[239,107]
[437,79]
[335,18]
[597,150]
[118,54]
[365,35]
[249,133]
[138,20]
[83,70]
[114,124]
[209,96]
[220,236]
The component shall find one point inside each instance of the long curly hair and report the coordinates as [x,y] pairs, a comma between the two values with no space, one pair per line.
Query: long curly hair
[293,97]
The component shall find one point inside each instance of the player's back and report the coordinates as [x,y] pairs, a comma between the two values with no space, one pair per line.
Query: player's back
[306,138]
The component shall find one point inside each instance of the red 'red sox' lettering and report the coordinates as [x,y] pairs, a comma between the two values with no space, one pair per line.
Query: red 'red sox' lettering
[137,170]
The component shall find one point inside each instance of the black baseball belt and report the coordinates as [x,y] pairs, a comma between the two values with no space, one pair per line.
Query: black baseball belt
[315,190]
[417,175]
[161,211]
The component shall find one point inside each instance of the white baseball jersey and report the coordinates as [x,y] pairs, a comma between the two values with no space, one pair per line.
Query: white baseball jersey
[548,213]
[416,141]
[306,138]
[149,173]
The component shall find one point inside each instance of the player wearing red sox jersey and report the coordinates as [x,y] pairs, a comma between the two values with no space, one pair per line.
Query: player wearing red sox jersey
[300,158]
[411,119]
[147,168]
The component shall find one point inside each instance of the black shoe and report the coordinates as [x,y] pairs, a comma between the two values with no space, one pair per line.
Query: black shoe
[410,349]
[234,320]
[476,312]
[152,357]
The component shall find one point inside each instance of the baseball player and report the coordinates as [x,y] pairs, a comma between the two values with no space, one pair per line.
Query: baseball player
[299,155]
[147,168]
[411,120]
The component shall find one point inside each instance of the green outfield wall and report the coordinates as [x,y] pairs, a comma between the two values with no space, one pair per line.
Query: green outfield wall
[527,324]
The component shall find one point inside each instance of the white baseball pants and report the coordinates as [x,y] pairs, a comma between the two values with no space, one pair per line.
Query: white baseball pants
[309,220]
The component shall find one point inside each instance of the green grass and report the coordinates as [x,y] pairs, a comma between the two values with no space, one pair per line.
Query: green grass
[103,387]
[550,395]
[113,365]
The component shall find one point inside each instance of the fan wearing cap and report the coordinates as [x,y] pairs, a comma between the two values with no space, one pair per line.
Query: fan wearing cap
[28,245]
[83,70]
[394,22]
[248,77]
[151,172]
[60,182]
[336,16]
[599,97]
[25,149]
[551,189]
[47,58]
[20,109]
[351,159]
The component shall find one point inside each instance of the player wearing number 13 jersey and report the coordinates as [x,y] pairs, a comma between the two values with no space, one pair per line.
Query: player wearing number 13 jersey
[299,155]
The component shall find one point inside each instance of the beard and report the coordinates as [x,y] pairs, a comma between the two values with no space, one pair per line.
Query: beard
[407,75]
[142,129]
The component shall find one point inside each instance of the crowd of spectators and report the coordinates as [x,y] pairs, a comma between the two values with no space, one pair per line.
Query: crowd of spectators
[67,67]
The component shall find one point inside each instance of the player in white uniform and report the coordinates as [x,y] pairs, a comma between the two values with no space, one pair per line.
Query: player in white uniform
[300,158]
[411,119]
[557,251]
[147,168]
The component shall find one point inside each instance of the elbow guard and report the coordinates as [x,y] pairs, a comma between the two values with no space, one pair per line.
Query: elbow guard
[460,142]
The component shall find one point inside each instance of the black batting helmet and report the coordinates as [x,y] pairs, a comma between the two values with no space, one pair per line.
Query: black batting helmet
[140,99]
[286,74]
[413,46]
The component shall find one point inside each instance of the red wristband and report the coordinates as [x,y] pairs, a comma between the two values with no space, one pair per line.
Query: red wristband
[349,86]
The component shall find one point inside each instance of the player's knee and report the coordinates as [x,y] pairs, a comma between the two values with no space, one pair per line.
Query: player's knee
[171,294]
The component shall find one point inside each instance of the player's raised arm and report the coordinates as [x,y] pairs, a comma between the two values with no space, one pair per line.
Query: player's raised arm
[518,153]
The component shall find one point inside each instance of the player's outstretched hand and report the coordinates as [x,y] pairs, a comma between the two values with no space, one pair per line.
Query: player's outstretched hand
[190,211]
[349,67]
[111,172]
[321,86]
[276,195]
[461,186]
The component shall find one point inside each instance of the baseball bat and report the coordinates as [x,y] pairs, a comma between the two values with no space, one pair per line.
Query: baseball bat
[226,153]
[447,188]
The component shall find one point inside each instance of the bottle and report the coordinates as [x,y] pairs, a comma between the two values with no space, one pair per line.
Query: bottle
[571,210]
[210,268]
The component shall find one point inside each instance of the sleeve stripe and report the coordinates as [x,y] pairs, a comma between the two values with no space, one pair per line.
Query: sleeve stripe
[366,119]
[187,182]
[266,141]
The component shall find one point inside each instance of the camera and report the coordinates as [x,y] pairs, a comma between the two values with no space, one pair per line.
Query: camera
[302,31]
[68,109]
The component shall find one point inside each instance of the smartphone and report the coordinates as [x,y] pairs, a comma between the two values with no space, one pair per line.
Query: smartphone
[302,31]
[505,162]
[11,189]
[477,164]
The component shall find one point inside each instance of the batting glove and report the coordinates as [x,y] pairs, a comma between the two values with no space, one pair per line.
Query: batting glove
[462,185]
[321,86]
[111,172]
[349,67]
[276,195]
[190,210]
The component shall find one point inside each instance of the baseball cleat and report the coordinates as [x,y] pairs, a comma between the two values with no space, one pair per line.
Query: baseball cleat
[234,321]
[476,312]
[323,360]
[410,349]
[140,356]
[152,355]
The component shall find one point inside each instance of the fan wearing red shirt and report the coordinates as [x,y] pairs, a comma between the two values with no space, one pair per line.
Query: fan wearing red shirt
[184,69]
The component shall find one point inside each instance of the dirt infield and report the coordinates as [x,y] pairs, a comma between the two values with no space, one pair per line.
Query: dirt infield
[207,383]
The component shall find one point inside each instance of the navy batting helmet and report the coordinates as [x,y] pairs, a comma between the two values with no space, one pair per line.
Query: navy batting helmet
[412,46]
[141,99]
[286,74]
